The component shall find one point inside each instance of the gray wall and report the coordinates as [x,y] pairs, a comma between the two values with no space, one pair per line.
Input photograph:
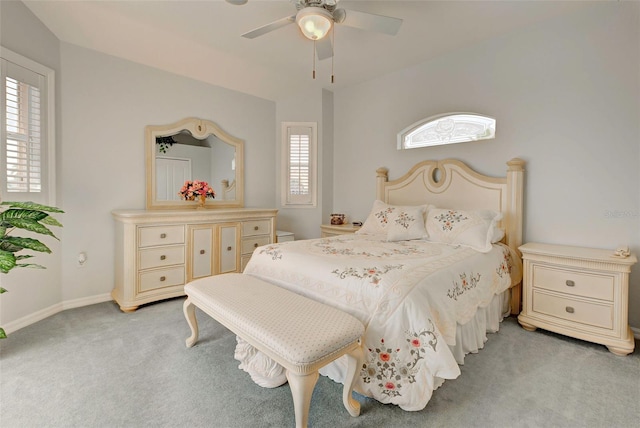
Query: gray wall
[566,95]
[31,290]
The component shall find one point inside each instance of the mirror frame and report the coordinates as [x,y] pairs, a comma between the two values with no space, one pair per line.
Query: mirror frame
[200,129]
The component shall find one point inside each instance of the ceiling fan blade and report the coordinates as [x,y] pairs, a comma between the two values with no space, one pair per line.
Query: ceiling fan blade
[270,27]
[324,48]
[368,21]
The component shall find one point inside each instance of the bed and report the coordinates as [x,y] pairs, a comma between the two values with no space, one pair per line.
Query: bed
[433,269]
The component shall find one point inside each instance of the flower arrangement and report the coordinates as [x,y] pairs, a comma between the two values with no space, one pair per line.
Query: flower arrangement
[192,190]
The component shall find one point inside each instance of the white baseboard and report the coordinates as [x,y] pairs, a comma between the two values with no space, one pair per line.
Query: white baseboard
[54,309]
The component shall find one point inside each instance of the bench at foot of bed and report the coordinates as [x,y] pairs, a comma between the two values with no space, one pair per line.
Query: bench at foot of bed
[298,333]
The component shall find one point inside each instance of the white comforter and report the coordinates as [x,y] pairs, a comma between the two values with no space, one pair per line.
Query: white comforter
[410,295]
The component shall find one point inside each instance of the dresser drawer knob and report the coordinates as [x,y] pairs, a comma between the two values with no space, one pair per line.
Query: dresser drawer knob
[255,245]
[570,283]
[163,257]
[163,235]
[256,227]
[229,248]
[162,278]
[202,251]
[569,309]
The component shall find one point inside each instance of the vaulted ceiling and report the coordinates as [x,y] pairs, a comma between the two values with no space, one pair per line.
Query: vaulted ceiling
[202,39]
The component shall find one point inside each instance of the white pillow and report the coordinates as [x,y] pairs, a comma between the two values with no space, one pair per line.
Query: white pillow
[475,229]
[407,223]
[381,216]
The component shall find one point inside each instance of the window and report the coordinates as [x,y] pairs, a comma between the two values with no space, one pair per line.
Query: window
[447,128]
[299,164]
[27,144]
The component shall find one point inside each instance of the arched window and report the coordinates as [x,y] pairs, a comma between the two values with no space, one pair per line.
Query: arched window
[449,128]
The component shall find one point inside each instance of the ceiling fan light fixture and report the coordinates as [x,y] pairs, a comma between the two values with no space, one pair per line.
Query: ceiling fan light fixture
[314,22]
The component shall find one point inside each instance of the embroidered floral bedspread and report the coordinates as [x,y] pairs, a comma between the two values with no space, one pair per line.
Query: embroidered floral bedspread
[409,295]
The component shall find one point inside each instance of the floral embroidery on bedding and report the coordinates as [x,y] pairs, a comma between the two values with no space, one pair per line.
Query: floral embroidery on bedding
[465,285]
[374,274]
[383,216]
[404,220]
[272,251]
[506,265]
[331,247]
[393,368]
[448,219]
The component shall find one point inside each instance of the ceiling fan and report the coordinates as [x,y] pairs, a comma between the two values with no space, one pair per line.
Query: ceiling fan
[316,18]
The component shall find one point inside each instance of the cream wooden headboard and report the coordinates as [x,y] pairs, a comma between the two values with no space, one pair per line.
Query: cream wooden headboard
[450,183]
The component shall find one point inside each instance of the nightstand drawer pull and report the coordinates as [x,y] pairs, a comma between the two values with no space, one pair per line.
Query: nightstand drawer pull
[570,283]
[569,309]
[163,278]
[163,235]
[163,257]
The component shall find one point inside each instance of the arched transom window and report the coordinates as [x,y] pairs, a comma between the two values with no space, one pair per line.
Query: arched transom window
[449,128]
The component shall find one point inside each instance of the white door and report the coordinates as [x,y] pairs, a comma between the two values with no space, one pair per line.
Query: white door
[171,173]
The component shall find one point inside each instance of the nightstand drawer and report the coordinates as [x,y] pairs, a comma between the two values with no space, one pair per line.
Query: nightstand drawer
[575,283]
[573,310]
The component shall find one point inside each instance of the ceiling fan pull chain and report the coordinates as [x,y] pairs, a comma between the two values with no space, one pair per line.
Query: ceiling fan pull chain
[333,42]
[314,59]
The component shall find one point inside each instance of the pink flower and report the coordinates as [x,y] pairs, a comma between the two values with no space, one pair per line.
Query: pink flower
[384,356]
[390,385]
[415,343]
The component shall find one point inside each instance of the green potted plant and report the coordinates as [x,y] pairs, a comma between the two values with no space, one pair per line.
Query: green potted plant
[28,216]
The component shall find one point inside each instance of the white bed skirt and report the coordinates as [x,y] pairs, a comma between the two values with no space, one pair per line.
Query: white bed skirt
[470,338]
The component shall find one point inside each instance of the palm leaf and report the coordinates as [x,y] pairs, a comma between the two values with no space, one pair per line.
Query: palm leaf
[30,225]
[7,245]
[20,213]
[32,206]
[30,265]
[3,229]
[48,220]
[28,243]
[7,261]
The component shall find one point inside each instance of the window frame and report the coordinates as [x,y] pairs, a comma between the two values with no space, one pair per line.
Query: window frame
[456,132]
[47,195]
[287,200]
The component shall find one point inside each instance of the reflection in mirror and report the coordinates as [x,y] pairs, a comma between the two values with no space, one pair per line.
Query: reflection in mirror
[192,149]
[447,128]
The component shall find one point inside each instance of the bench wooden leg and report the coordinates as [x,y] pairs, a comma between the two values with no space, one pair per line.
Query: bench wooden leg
[354,364]
[190,314]
[301,390]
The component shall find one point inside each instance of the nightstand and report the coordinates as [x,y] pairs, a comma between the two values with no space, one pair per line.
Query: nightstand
[578,292]
[327,230]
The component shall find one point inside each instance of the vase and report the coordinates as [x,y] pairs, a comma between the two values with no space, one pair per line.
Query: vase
[201,201]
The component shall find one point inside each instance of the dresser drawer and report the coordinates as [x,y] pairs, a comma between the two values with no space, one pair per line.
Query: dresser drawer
[599,315]
[161,256]
[250,244]
[584,284]
[256,227]
[160,235]
[160,278]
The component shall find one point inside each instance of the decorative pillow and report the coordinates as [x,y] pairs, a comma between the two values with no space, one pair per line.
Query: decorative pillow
[407,223]
[475,229]
[382,215]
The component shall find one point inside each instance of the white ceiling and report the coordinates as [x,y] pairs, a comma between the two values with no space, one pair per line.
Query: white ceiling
[201,39]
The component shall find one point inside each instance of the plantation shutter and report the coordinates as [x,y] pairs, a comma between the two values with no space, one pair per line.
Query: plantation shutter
[23,157]
[300,165]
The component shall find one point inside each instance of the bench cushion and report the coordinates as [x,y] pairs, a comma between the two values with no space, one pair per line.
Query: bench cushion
[298,332]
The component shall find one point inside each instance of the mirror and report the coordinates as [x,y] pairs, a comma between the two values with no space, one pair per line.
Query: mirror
[193,149]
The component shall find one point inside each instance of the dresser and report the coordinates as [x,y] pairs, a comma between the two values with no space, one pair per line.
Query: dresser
[578,292]
[158,251]
[337,229]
